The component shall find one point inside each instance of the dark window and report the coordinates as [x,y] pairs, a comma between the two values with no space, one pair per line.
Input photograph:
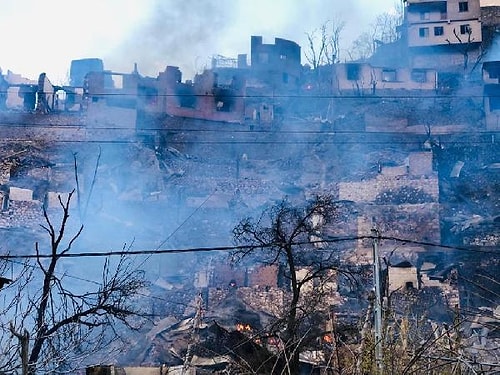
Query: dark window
[494,72]
[419,76]
[463,6]
[353,72]
[423,32]
[465,29]
[409,285]
[438,30]
[494,103]
[263,58]
[285,77]
[389,76]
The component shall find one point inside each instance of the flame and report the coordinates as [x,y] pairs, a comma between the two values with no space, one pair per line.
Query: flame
[328,339]
[241,327]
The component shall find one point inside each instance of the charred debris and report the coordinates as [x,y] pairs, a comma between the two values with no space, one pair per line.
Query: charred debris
[411,150]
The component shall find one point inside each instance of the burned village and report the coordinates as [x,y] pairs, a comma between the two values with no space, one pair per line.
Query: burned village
[269,216]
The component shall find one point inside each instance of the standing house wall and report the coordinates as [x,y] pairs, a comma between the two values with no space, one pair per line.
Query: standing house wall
[450,16]
[199,100]
[491,80]
[448,33]
[364,79]
[111,99]
[18,194]
[431,28]
[401,277]
[52,199]
[14,98]
[276,64]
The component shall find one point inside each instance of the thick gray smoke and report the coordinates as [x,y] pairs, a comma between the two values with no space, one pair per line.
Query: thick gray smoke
[177,33]
[188,33]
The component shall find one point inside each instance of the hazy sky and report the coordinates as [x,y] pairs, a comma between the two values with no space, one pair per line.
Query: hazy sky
[44,36]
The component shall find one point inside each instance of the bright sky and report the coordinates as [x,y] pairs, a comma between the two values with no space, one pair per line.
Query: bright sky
[44,36]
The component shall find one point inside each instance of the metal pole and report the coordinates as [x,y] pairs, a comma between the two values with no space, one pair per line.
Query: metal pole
[378,305]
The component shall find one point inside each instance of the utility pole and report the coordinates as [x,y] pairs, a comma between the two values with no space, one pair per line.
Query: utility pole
[378,304]
[194,338]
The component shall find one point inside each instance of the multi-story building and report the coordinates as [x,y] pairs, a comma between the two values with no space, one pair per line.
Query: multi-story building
[277,64]
[443,34]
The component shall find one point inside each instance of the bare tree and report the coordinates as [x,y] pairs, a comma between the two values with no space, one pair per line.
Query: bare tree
[54,326]
[385,27]
[324,44]
[289,235]
[465,44]
[362,47]
[384,30]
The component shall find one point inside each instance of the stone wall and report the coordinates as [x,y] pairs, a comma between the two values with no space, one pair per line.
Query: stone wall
[415,222]
[267,300]
[265,276]
[22,214]
[369,191]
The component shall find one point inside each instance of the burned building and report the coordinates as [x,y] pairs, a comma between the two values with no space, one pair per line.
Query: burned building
[277,64]
[444,35]
[111,99]
[491,78]
[203,98]
[80,68]
[403,276]
[366,79]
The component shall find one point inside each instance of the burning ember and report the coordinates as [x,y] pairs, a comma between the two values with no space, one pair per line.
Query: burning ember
[242,327]
[328,339]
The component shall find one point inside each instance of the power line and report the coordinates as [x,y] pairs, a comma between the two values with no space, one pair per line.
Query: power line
[242,247]
[427,94]
[244,130]
[282,141]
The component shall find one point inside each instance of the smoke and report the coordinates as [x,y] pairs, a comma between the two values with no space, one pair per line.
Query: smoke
[46,36]
[178,33]
[188,33]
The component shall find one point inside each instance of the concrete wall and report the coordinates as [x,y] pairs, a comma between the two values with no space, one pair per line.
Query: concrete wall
[448,36]
[400,277]
[276,64]
[421,15]
[52,199]
[364,79]
[204,95]
[491,79]
[18,194]
[101,115]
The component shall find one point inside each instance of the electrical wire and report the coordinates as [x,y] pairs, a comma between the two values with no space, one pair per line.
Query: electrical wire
[198,250]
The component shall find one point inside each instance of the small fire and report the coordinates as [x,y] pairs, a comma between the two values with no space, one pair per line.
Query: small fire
[242,327]
[328,339]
